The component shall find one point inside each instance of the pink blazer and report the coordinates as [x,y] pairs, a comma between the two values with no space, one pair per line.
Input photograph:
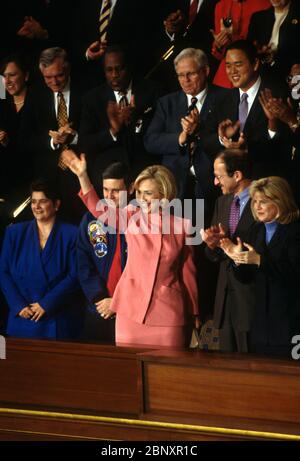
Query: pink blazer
[158,286]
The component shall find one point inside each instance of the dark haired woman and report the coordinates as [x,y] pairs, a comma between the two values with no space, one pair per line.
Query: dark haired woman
[15,162]
[38,272]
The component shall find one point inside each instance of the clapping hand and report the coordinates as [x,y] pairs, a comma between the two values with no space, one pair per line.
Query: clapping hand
[224,37]
[63,134]
[32,29]
[3,138]
[96,50]
[190,125]
[174,22]
[236,253]
[226,130]
[213,235]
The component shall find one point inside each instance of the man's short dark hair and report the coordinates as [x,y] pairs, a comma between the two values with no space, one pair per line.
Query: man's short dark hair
[236,160]
[119,49]
[247,47]
[118,170]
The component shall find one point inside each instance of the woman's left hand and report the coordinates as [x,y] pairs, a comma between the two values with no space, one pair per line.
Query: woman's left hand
[38,312]
[247,257]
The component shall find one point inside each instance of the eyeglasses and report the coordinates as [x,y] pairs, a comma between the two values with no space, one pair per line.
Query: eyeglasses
[188,75]
[220,176]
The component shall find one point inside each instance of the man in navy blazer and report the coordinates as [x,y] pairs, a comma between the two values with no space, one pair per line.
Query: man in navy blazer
[101,256]
[174,129]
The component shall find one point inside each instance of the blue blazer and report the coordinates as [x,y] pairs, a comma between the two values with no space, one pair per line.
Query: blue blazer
[48,277]
[95,252]
[162,139]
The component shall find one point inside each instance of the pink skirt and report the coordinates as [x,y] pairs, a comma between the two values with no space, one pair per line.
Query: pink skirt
[129,332]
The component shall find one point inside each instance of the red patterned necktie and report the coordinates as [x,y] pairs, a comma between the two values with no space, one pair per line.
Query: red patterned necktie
[193,11]
[234,216]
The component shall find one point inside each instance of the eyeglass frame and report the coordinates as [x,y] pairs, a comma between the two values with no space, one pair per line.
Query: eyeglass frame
[189,74]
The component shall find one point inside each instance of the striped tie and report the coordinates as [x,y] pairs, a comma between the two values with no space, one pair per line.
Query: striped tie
[104,19]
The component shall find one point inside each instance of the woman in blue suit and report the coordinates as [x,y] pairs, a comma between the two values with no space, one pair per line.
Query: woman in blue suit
[38,272]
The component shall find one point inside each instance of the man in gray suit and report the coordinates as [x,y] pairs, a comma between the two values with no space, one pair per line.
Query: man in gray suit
[233,300]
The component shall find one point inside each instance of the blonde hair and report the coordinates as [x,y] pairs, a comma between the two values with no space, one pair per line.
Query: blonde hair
[280,193]
[164,179]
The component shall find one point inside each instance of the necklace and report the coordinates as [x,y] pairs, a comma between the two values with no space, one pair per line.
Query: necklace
[19,103]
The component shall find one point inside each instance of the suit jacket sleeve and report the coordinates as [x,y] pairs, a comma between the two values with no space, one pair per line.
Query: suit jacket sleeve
[157,140]
[15,299]
[94,134]
[61,292]
[287,266]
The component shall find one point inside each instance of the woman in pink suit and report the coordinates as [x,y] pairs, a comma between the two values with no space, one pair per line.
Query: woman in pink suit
[156,299]
[232,18]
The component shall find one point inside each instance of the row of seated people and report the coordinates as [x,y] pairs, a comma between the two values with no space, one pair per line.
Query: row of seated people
[124,120]
[254,237]
[85,30]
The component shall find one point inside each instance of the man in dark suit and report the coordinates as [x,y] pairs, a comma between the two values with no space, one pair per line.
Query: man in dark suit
[241,120]
[173,132]
[233,301]
[115,116]
[275,32]
[45,132]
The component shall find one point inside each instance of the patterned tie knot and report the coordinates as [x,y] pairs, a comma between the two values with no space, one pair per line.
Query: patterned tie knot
[62,113]
[244,97]
[234,215]
[193,104]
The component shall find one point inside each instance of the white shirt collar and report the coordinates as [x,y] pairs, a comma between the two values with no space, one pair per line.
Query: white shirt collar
[252,92]
[128,93]
[200,98]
